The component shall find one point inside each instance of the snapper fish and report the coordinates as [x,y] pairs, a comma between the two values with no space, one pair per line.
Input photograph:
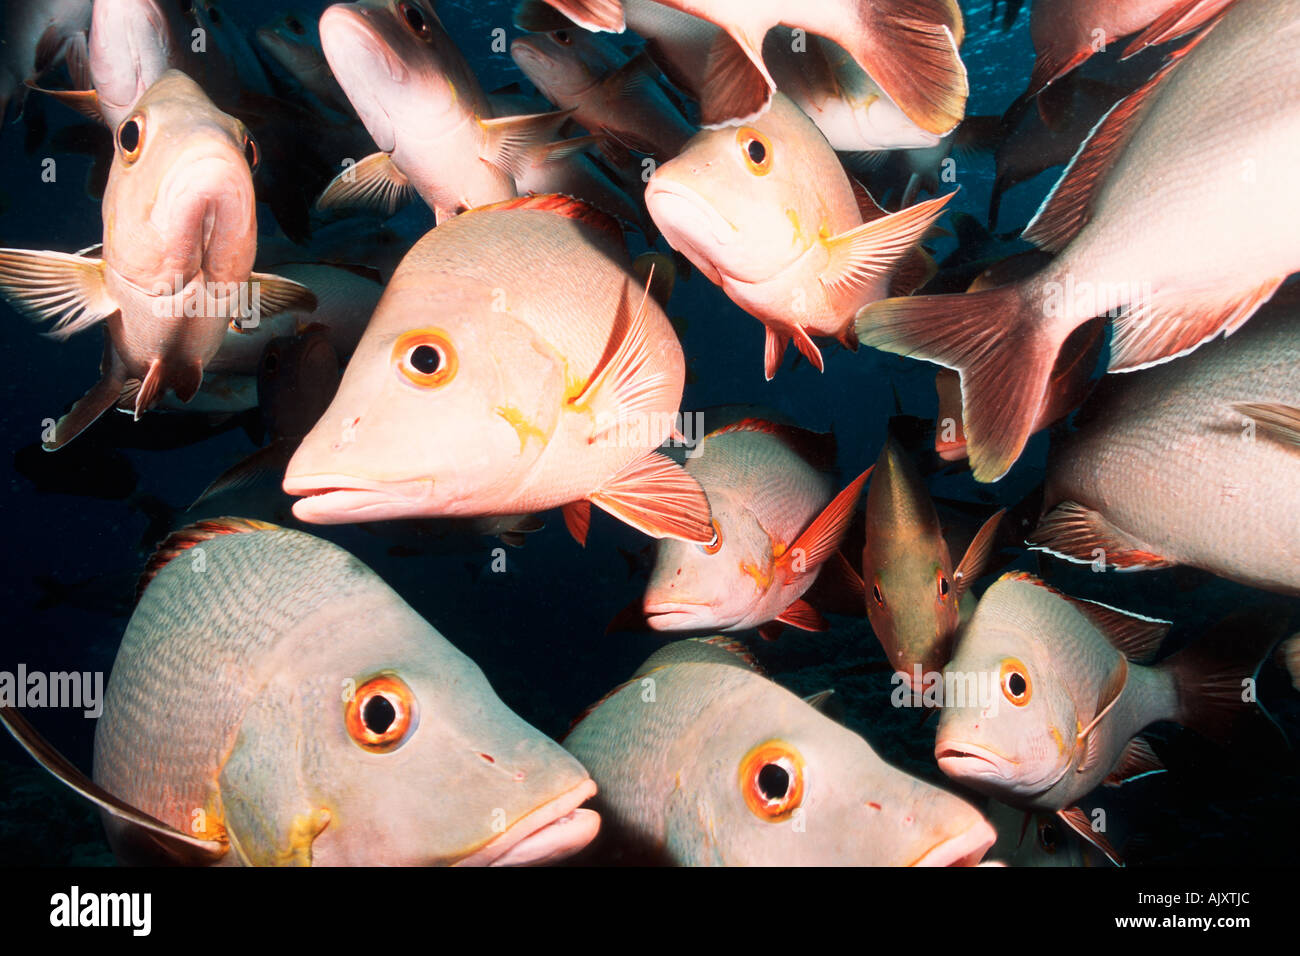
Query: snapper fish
[1072,697]
[287,708]
[176,264]
[703,761]
[767,213]
[513,365]
[1125,250]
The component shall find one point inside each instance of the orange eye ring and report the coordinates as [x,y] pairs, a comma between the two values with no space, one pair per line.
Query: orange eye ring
[130,138]
[714,546]
[1016,685]
[425,357]
[942,585]
[380,714]
[772,780]
[755,150]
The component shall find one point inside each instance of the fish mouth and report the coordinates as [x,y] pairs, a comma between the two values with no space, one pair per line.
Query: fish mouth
[342,499]
[673,206]
[957,759]
[677,616]
[346,32]
[965,849]
[552,832]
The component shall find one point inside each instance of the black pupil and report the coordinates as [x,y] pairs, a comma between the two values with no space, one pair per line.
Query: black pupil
[1048,837]
[562,36]
[214,14]
[757,151]
[250,152]
[129,136]
[413,18]
[943,585]
[773,781]
[295,26]
[875,592]
[426,359]
[378,714]
[1016,684]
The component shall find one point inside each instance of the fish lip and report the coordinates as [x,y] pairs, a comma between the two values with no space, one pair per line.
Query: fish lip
[686,615]
[965,849]
[724,232]
[335,499]
[538,836]
[952,755]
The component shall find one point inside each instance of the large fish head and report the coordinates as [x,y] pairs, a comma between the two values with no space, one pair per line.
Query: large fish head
[180,194]
[736,201]
[907,569]
[712,586]
[397,66]
[401,752]
[1008,723]
[292,40]
[562,64]
[132,44]
[775,782]
[445,407]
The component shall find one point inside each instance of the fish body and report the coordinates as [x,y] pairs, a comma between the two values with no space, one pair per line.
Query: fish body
[292,40]
[242,709]
[703,761]
[765,496]
[512,365]
[802,260]
[1182,463]
[35,36]
[1174,245]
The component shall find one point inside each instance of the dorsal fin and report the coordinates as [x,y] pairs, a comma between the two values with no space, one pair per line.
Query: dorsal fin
[1068,208]
[187,537]
[561,205]
[1137,760]
[868,208]
[816,448]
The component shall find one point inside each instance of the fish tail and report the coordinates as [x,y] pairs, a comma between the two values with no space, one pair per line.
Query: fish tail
[1214,677]
[996,341]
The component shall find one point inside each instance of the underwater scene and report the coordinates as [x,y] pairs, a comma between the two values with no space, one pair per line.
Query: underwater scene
[650,432]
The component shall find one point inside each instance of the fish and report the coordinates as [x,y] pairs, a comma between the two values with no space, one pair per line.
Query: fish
[1066,33]
[914,594]
[767,213]
[35,37]
[226,33]
[1194,463]
[1036,839]
[1167,283]
[424,107]
[908,46]
[292,40]
[513,365]
[175,265]
[776,523]
[250,720]
[1069,693]
[612,96]
[1289,652]
[703,761]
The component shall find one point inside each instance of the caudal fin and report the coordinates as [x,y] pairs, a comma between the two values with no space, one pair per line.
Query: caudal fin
[1215,676]
[995,340]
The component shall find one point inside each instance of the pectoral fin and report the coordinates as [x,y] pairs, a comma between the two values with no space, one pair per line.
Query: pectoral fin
[655,495]
[1276,420]
[511,143]
[276,294]
[822,538]
[55,285]
[372,184]
[103,396]
[873,250]
[1090,737]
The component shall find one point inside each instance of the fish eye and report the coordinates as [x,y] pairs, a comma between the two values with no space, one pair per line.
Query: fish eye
[1048,836]
[380,714]
[876,595]
[295,26]
[271,361]
[757,150]
[1016,686]
[414,18]
[715,545]
[130,137]
[250,152]
[214,15]
[772,780]
[425,357]
[562,37]
[944,586]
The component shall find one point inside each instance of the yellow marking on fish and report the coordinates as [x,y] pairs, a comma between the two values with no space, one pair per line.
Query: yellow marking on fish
[522,426]
[213,828]
[793,216]
[1056,735]
[303,831]
[865,104]
[762,578]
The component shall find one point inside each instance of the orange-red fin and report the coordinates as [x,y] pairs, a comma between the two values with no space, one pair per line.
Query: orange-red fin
[182,540]
[737,86]
[656,496]
[1051,64]
[561,205]
[85,102]
[150,388]
[1135,636]
[773,351]
[949,436]
[70,289]
[513,143]
[1137,760]
[804,616]
[822,538]
[863,255]
[102,396]
[1084,536]
[807,347]
[1178,21]
[1078,821]
[1068,207]
[1276,420]
[816,448]
[977,555]
[914,270]
[577,518]
[735,648]
[1171,324]
[599,16]
[868,208]
[910,49]
[998,344]
[771,630]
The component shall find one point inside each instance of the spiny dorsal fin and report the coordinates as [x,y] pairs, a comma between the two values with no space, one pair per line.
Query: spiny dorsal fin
[561,205]
[1137,760]
[185,538]
[816,448]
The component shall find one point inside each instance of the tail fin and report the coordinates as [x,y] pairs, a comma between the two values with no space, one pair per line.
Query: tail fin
[996,341]
[1215,675]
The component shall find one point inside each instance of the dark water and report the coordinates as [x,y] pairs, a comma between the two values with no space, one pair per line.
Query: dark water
[538,629]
